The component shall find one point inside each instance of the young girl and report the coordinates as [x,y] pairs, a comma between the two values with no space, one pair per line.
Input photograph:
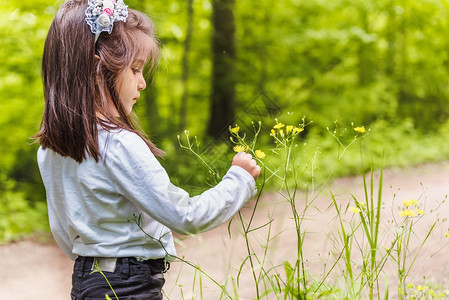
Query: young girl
[111,205]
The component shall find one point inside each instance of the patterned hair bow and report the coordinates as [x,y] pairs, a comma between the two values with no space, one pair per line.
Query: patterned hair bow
[101,15]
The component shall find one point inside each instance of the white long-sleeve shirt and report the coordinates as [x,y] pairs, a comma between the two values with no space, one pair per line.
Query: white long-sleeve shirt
[93,206]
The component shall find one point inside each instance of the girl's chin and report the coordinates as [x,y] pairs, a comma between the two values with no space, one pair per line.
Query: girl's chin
[129,111]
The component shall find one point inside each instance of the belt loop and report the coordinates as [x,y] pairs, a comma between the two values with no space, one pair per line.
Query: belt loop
[125,267]
[85,264]
[79,267]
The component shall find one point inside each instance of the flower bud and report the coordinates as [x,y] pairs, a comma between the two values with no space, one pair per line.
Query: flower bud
[103,20]
[108,11]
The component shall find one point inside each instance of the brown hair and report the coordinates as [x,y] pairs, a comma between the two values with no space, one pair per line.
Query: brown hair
[80,77]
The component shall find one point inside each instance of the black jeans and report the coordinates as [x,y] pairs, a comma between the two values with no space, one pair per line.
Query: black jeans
[131,280]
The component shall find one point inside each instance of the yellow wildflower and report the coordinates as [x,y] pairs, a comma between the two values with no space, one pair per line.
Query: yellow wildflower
[260,154]
[407,213]
[278,126]
[281,132]
[239,148]
[297,130]
[288,129]
[410,286]
[422,287]
[420,212]
[273,133]
[362,205]
[354,210]
[235,129]
[360,129]
[447,234]
[408,203]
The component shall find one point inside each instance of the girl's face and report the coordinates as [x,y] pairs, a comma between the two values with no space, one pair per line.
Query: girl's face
[130,85]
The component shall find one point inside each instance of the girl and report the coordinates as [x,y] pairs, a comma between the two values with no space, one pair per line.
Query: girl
[111,205]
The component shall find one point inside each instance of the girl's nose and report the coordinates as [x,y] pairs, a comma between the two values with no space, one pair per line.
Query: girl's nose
[142,83]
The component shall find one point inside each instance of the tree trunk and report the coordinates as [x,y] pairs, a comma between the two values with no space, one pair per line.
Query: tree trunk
[391,29]
[222,110]
[404,99]
[186,67]
[366,52]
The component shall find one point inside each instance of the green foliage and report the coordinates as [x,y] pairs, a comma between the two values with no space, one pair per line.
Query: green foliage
[23,27]
[383,64]
[18,218]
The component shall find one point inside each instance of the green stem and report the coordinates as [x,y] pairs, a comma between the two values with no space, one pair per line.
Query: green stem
[248,248]
[97,269]
[376,230]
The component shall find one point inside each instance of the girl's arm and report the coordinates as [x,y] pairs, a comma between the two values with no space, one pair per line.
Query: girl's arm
[142,180]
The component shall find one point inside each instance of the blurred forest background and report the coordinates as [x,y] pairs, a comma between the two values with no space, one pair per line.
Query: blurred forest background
[383,64]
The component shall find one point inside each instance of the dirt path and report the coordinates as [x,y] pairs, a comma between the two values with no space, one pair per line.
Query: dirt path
[31,270]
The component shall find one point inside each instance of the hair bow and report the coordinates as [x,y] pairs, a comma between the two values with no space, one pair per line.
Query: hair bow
[101,15]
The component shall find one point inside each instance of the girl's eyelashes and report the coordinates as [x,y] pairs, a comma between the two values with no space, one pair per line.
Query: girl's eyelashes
[135,70]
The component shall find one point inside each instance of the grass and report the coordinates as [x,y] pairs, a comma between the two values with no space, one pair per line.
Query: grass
[364,247]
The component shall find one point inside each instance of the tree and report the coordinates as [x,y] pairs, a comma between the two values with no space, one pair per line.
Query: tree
[222,110]
[186,66]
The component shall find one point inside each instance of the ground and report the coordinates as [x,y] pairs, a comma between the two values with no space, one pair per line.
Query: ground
[36,270]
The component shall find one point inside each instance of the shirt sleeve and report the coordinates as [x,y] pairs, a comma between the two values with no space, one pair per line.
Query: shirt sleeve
[140,178]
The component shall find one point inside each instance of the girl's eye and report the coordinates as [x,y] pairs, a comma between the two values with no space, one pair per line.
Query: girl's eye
[136,70]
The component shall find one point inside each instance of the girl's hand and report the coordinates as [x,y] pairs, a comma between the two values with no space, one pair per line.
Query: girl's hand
[246,161]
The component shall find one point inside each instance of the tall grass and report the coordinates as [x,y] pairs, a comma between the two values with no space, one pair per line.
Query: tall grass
[364,247]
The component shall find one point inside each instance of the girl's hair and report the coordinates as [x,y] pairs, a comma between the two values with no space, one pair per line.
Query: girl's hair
[81,77]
